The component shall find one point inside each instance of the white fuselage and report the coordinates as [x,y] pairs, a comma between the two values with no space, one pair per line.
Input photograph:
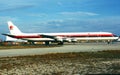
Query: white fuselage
[62,36]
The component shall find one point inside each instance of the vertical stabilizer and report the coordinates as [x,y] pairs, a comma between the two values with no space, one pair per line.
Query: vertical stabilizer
[13,29]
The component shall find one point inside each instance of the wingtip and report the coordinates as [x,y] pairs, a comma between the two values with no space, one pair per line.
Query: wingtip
[4,34]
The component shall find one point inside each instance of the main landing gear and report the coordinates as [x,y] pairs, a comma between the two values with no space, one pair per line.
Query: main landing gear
[47,43]
[58,43]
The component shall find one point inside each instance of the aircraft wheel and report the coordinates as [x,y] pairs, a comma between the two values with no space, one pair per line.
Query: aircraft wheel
[60,43]
[47,43]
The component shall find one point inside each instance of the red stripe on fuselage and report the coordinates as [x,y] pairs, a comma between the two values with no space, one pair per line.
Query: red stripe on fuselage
[88,35]
[24,36]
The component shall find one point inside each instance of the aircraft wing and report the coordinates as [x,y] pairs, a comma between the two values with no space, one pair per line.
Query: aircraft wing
[59,38]
[56,38]
[48,36]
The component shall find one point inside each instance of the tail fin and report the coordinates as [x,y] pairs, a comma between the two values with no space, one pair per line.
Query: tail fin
[13,29]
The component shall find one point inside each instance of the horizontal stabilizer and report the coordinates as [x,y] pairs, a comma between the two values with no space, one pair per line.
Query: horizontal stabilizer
[8,35]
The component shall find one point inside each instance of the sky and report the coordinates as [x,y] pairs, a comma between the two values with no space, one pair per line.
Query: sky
[61,15]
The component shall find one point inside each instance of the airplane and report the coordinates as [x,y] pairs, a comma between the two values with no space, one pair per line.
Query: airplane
[60,38]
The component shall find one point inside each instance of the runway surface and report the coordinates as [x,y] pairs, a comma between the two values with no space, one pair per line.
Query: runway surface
[84,47]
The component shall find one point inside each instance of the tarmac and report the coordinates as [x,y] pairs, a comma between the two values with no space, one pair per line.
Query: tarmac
[78,47]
